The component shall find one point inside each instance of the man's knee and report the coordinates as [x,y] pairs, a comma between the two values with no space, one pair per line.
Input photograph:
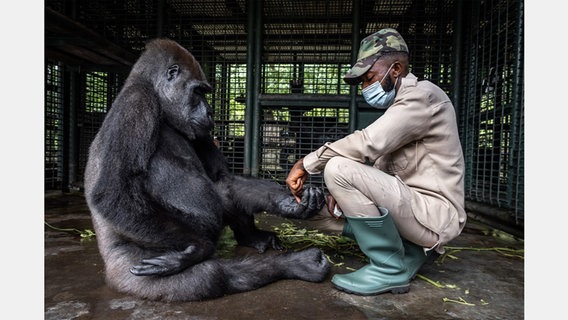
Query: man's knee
[335,170]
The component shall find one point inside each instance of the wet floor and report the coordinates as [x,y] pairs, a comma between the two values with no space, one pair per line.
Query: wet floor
[481,277]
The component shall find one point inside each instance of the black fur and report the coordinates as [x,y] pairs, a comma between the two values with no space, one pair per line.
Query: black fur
[160,192]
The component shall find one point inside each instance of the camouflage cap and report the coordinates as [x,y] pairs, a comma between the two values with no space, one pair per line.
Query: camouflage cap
[371,49]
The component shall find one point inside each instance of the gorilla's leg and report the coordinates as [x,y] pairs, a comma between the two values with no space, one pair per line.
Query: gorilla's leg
[217,277]
[143,260]
[248,235]
[256,271]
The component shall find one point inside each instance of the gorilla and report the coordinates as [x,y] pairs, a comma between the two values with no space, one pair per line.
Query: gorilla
[160,193]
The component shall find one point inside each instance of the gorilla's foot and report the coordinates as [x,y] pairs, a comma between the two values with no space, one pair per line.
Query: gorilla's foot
[308,265]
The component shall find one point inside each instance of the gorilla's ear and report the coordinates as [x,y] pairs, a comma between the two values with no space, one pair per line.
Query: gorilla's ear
[173,71]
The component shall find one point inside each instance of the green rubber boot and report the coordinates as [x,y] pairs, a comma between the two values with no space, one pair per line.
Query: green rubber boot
[347,232]
[379,240]
[414,255]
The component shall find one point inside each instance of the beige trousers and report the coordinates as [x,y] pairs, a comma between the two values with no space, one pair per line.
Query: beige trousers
[359,189]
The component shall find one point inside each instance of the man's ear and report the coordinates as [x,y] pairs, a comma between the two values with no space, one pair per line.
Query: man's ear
[397,69]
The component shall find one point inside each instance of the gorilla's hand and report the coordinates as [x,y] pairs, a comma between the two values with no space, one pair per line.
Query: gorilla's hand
[313,199]
[260,240]
[167,264]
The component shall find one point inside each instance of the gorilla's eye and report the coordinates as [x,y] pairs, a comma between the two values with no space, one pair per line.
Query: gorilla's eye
[196,98]
[198,94]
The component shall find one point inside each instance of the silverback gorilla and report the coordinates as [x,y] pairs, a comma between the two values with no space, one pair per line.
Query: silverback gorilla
[160,193]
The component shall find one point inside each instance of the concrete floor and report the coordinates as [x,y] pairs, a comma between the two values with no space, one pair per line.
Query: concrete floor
[478,283]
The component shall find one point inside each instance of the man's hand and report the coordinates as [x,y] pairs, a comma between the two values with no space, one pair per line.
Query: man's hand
[332,207]
[296,178]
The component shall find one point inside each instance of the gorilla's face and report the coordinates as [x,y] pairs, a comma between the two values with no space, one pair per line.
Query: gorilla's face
[199,111]
[180,87]
[183,100]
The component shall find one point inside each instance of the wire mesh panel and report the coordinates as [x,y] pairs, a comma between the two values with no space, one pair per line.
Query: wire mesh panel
[129,23]
[306,52]
[307,31]
[54,149]
[100,89]
[427,27]
[307,48]
[214,31]
[290,133]
[493,119]
[229,105]
[300,124]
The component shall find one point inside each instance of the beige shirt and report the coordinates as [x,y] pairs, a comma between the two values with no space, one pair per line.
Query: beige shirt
[417,141]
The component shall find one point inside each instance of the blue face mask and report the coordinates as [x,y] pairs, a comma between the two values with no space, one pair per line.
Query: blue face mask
[376,96]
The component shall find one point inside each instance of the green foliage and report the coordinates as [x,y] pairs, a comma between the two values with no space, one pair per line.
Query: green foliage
[85,234]
[335,247]
[226,244]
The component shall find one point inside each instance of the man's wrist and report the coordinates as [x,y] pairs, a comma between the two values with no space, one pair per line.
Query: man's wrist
[301,164]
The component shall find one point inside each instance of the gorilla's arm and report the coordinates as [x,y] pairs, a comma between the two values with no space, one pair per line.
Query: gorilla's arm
[201,227]
[170,263]
[255,195]
[190,201]
[250,196]
[248,235]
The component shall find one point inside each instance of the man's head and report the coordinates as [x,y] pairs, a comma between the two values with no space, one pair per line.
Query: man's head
[383,43]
